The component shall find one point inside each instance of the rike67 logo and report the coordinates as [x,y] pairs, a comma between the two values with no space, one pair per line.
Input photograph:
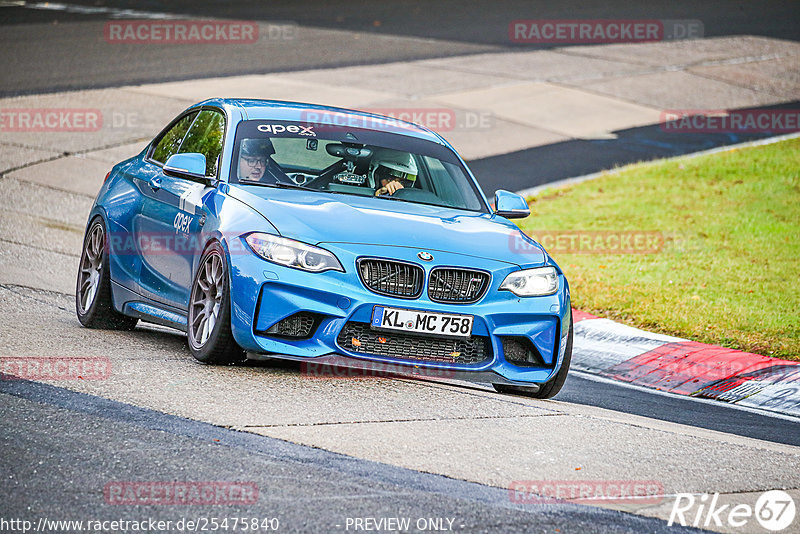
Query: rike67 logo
[774,510]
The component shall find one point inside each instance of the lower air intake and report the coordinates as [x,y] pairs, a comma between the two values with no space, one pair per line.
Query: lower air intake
[360,338]
[521,352]
[297,326]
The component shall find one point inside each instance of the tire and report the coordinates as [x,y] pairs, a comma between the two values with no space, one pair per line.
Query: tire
[93,302]
[549,389]
[209,319]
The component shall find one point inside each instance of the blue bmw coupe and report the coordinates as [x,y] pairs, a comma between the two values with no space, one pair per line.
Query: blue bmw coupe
[267,229]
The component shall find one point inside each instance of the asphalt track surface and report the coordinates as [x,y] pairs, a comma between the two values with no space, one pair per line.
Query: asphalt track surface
[57,444]
[59,447]
[545,164]
[45,59]
[41,58]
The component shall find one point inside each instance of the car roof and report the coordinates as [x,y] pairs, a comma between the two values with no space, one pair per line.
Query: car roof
[303,112]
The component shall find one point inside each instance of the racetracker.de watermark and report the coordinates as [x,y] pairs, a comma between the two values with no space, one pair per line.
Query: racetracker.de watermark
[50,120]
[54,368]
[196,32]
[595,31]
[179,242]
[398,119]
[730,121]
[366,369]
[182,242]
[180,493]
[589,242]
[586,491]
[440,119]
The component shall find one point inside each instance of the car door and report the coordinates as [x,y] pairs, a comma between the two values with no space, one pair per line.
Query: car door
[172,212]
[147,183]
[122,205]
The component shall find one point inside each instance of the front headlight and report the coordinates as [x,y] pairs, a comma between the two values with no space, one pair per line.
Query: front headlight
[532,282]
[293,253]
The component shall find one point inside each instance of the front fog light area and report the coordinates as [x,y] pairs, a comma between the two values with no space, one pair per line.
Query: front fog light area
[520,351]
[299,326]
[293,253]
[532,282]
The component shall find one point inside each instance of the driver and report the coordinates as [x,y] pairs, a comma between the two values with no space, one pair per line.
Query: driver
[255,163]
[393,170]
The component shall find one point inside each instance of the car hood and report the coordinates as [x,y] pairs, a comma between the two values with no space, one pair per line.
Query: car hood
[334,218]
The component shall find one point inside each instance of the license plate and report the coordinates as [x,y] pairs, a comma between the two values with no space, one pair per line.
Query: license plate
[439,324]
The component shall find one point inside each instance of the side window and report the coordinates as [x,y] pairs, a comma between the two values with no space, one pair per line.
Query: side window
[205,137]
[169,144]
[446,179]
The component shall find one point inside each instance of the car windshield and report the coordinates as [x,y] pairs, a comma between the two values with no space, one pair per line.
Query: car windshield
[351,161]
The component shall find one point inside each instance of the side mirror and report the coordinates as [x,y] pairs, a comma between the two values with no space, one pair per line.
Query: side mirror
[191,166]
[510,205]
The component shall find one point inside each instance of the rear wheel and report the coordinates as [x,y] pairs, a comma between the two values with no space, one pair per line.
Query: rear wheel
[550,388]
[93,302]
[209,328]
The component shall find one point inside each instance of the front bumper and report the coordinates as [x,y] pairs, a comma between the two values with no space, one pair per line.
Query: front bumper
[264,294]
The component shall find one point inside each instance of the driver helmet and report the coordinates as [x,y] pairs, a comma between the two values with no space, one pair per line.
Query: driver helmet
[393,165]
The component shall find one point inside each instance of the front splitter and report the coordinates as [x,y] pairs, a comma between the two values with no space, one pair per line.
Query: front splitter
[340,366]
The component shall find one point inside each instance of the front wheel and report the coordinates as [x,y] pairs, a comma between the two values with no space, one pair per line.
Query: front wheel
[209,321]
[93,303]
[550,388]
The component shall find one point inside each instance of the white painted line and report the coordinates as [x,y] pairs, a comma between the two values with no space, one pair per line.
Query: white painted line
[89,10]
[768,413]
[601,327]
[600,344]
[533,191]
[784,396]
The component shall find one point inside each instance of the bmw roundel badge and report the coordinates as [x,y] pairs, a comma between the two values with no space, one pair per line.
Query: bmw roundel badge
[425,256]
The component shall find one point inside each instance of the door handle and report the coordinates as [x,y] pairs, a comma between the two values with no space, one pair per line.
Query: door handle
[155,183]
